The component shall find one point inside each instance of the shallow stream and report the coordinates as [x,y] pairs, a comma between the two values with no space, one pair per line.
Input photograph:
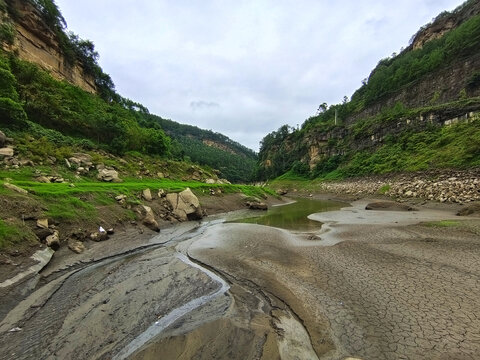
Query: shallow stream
[294,216]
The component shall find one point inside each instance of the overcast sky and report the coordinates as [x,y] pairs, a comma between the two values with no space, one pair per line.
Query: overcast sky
[244,67]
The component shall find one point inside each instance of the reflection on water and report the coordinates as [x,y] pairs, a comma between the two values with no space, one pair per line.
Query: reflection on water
[294,216]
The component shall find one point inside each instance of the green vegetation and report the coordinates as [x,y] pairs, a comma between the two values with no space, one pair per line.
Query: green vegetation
[444,223]
[12,233]
[234,161]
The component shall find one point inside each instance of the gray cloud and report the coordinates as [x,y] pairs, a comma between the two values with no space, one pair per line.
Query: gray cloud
[201,105]
[267,63]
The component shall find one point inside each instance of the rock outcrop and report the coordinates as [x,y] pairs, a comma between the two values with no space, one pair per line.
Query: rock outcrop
[37,43]
[108,175]
[185,205]
[149,218]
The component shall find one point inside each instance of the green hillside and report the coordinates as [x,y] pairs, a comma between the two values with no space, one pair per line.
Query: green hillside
[33,102]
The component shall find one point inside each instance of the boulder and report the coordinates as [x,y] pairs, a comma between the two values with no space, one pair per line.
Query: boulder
[15,188]
[185,205]
[3,139]
[6,152]
[43,233]
[121,199]
[42,223]
[53,241]
[210,181]
[80,159]
[43,179]
[76,246]
[147,194]
[99,236]
[108,175]
[149,218]
[254,205]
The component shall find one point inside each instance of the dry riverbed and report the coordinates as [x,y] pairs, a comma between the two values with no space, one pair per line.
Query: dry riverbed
[369,284]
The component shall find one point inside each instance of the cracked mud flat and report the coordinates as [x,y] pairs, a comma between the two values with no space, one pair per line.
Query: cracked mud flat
[363,288]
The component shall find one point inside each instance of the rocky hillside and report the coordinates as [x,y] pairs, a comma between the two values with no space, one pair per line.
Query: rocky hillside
[417,110]
[38,54]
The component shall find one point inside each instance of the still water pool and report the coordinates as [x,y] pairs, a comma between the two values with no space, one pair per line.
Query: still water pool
[294,216]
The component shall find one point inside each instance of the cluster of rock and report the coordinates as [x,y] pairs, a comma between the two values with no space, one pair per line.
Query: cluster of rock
[7,152]
[180,206]
[443,186]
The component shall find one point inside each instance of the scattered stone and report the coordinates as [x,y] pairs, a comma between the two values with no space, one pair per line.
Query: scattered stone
[76,246]
[254,205]
[15,188]
[99,236]
[53,241]
[108,175]
[42,223]
[161,175]
[43,233]
[68,163]
[210,181]
[282,192]
[81,159]
[149,218]
[185,205]
[147,194]
[43,179]
[161,193]
[6,152]
[110,231]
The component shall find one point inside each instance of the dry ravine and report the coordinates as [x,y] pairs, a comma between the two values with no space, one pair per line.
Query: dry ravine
[368,284]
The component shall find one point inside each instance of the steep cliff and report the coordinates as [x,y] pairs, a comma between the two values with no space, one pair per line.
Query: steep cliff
[434,83]
[36,42]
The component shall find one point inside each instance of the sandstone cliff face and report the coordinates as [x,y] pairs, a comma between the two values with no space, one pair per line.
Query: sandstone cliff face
[36,43]
[444,23]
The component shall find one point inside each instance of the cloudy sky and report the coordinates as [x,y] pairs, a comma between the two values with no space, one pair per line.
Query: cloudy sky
[244,67]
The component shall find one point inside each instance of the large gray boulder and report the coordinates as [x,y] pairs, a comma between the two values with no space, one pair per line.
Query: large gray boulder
[185,205]
[81,159]
[108,175]
[6,152]
[53,241]
[149,218]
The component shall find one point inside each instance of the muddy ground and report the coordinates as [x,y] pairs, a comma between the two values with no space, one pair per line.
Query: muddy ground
[382,284]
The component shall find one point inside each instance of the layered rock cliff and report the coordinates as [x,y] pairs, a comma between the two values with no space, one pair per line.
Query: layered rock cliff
[434,82]
[34,41]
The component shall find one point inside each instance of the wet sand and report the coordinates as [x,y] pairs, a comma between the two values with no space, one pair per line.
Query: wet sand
[368,285]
